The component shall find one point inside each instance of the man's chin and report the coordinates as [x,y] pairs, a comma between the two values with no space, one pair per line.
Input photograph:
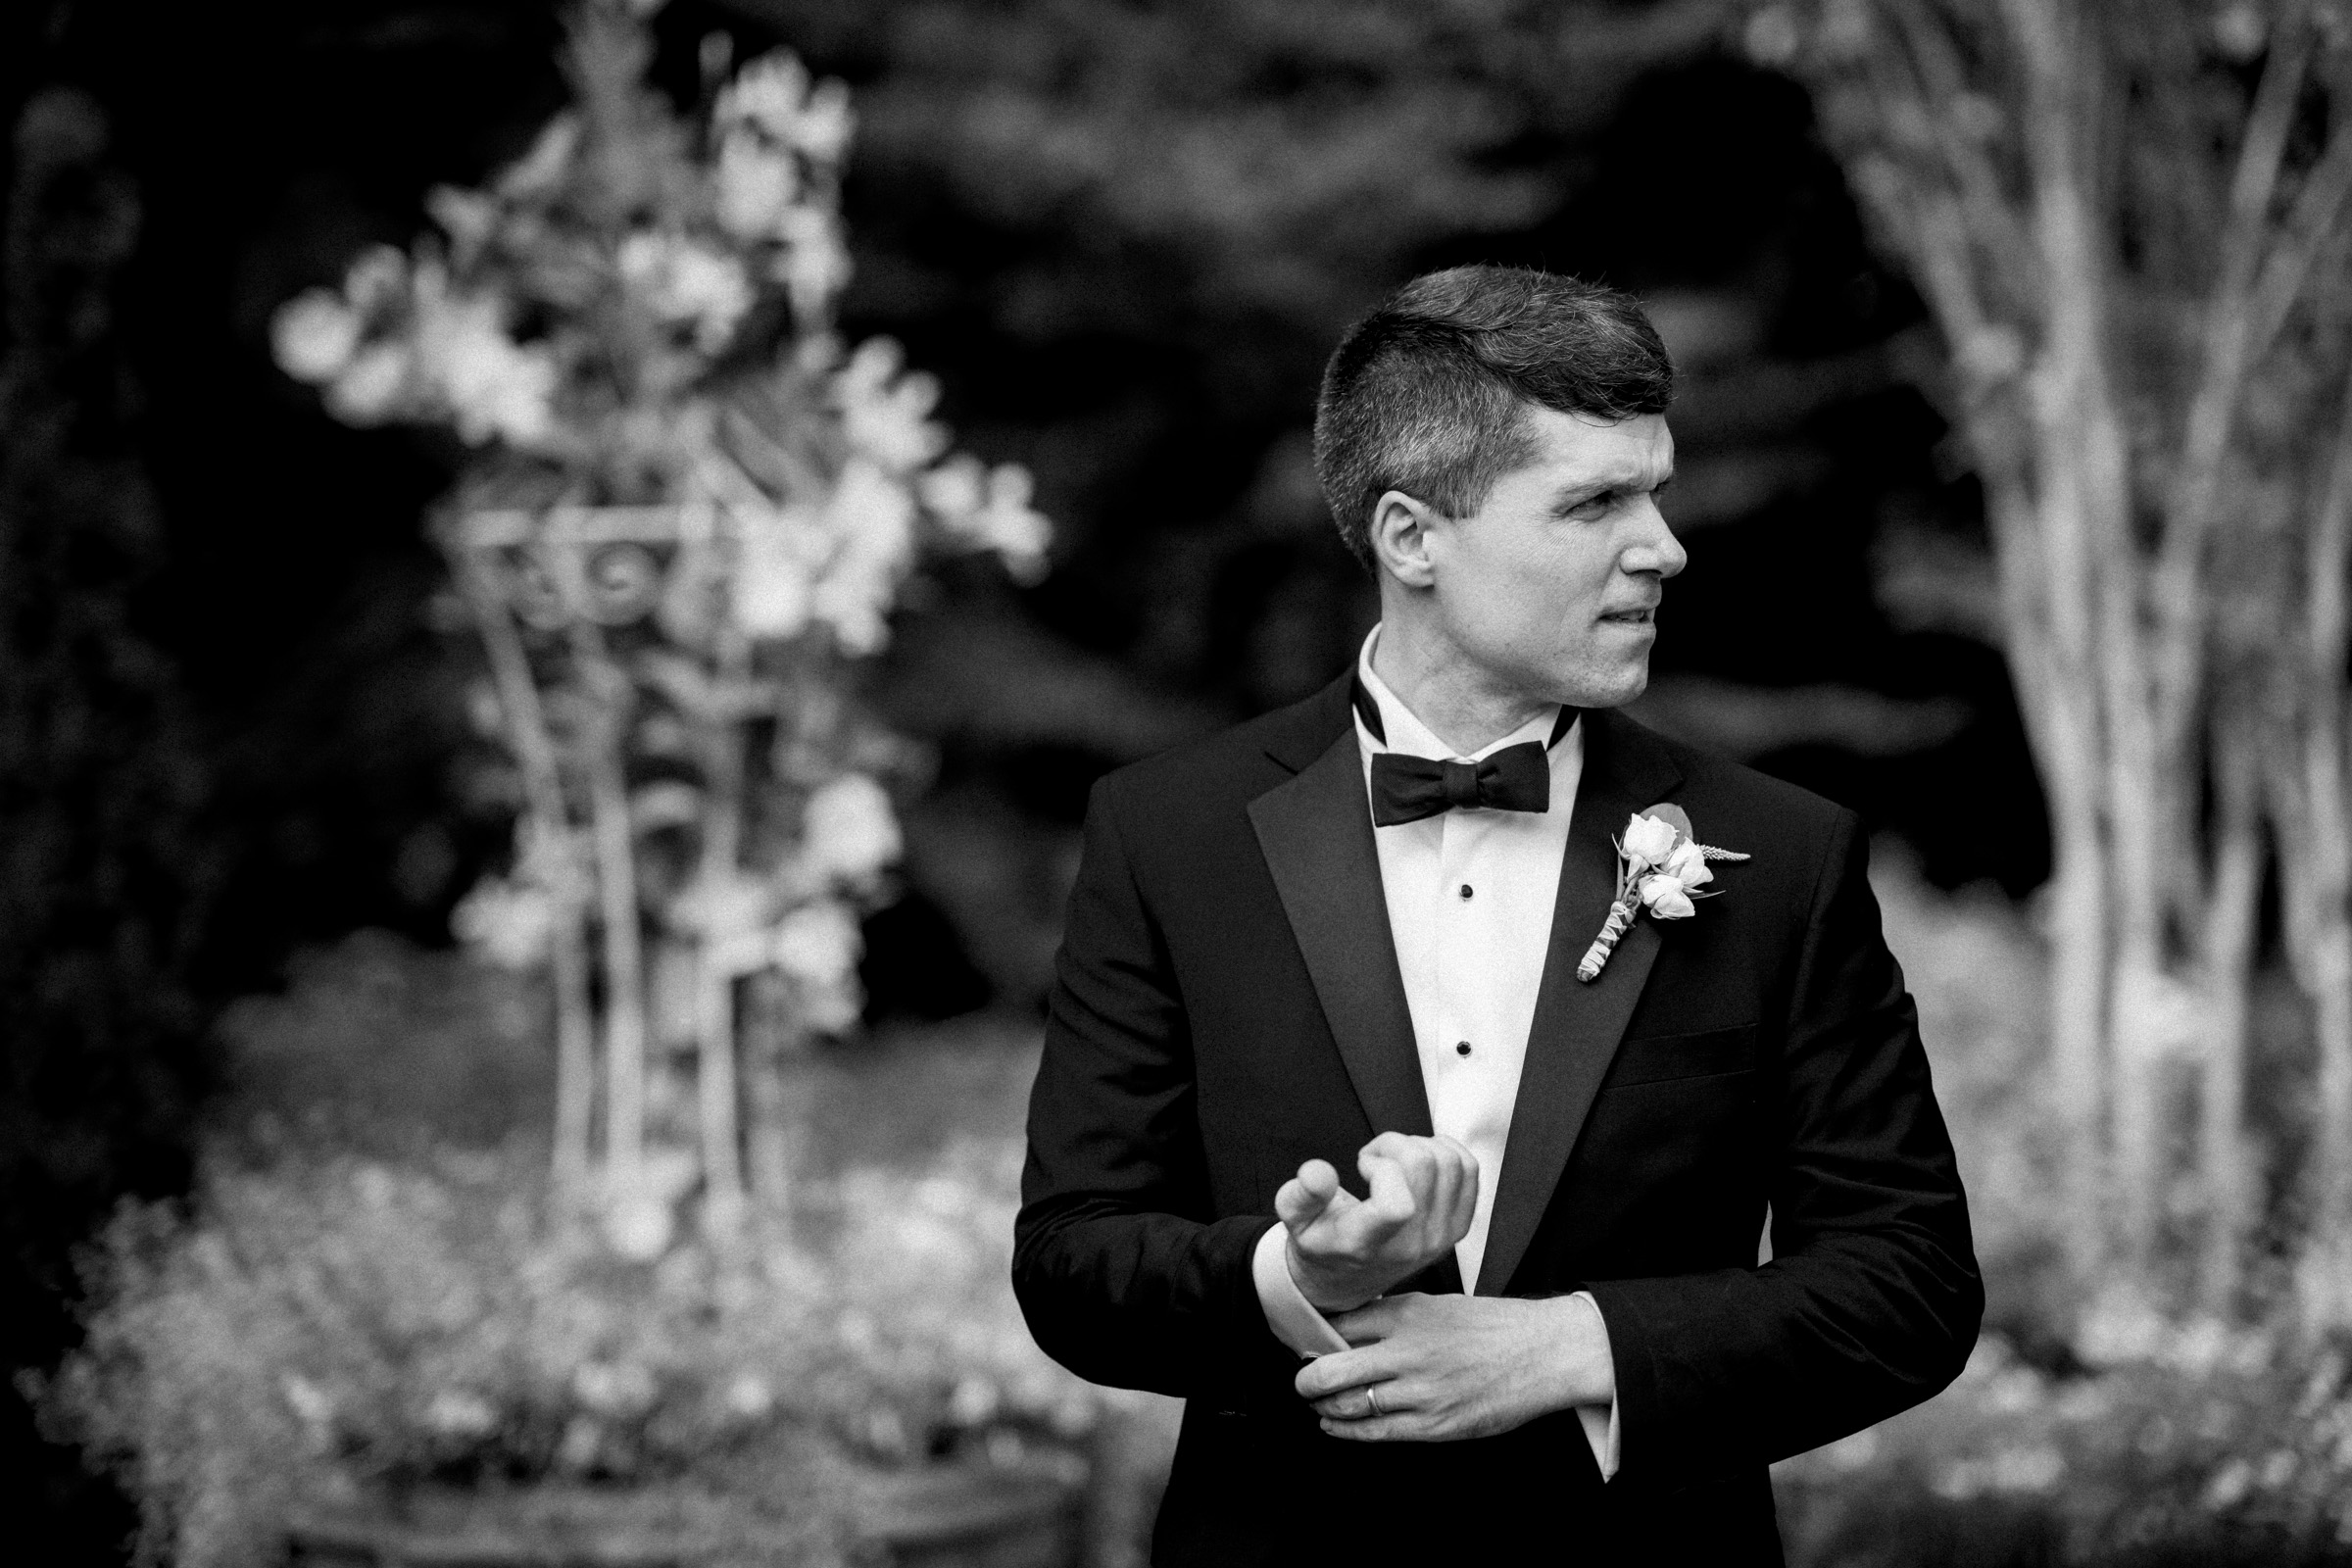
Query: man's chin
[1611,689]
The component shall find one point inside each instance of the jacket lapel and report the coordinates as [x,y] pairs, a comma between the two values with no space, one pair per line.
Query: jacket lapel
[1316,834]
[1575,1027]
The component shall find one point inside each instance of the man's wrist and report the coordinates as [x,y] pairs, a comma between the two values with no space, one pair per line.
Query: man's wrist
[1582,1372]
[1319,1296]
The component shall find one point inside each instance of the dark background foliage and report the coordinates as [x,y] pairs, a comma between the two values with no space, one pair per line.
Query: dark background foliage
[1123,235]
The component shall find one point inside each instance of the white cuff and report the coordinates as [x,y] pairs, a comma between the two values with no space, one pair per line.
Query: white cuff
[1289,1313]
[1599,1422]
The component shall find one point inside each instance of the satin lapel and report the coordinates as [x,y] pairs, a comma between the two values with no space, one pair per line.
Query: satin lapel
[1575,1027]
[1316,834]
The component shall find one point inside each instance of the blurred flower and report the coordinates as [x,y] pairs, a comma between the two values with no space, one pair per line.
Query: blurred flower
[818,948]
[639,1225]
[582,1441]
[773,582]
[818,943]
[369,391]
[1003,521]
[749,1397]
[494,387]
[541,171]
[815,263]
[468,217]
[460,1414]
[613,1388]
[849,831]
[753,186]
[314,335]
[509,923]
[974,1402]
[774,94]
[871,517]
[682,282]
[885,409]
[378,280]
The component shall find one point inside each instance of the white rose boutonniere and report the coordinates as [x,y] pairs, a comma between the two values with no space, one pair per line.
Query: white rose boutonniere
[1661,867]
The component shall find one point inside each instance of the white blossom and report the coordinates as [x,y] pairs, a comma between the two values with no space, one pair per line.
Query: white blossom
[1648,840]
[817,947]
[683,282]
[614,1388]
[1668,898]
[818,943]
[378,280]
[954,490]
[509,923]
[460,1413]
[777,550]
[773,93]
[495,388]
[871,517]
[849,831]
[815,263]
[885,412]
[372,386]
[314,335]
[1687,865]
[1010,526]
[639,1226]
[753,186]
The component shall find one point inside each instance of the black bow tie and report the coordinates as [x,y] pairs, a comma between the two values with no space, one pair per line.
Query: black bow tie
[1407,789]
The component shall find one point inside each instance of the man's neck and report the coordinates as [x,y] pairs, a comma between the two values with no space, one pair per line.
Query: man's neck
[1456,701]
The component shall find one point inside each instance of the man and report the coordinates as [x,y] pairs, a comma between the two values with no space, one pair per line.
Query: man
[1348,936]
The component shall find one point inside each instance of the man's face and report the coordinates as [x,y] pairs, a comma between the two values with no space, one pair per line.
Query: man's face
[1551,587]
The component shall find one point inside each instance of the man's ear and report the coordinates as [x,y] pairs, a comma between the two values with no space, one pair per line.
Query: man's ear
[1400,538]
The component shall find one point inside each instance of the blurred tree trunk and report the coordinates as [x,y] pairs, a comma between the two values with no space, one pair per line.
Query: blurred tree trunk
[2315,809]
[545,832]
[2115,237]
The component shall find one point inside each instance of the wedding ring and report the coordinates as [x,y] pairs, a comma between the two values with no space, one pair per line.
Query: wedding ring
[1372,1394]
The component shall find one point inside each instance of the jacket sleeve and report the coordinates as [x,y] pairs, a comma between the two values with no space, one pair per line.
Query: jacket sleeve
[1121,1270]
[1872,1299]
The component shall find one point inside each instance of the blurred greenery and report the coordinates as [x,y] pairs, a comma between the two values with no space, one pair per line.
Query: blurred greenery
[363,1294]
[366,1297]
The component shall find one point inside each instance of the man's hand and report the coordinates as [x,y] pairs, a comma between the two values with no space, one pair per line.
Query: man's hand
[1345,1250]
[1438,1368]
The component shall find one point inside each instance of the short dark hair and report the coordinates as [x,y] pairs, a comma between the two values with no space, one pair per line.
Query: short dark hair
[1427,394]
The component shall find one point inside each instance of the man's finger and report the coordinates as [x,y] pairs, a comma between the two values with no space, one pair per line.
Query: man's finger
[1373,1322]
[1380,1429]
[1419,1158]
[1392,1202]
[1308,1195]
[1465,1167]
[1416,1158]
[1327,1375]
[1311,1195]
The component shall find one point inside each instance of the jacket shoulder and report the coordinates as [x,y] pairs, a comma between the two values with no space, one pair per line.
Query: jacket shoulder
[1235,764]
[1726,797]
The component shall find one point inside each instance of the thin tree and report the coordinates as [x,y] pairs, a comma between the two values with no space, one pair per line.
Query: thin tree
[2119,217]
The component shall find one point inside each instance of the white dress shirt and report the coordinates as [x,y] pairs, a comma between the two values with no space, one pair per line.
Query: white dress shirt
[1470,894]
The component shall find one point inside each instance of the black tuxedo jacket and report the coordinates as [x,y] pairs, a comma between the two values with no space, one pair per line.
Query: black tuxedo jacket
[1228,1006]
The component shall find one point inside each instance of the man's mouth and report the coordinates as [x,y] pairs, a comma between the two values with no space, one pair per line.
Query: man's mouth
[1633,618]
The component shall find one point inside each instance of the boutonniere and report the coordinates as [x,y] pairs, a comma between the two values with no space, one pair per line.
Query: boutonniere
[1660,867]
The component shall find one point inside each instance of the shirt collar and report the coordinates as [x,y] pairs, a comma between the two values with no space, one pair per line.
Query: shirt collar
[1408,735]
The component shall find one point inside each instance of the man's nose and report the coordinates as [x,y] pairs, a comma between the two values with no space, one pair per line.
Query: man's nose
[1654,547]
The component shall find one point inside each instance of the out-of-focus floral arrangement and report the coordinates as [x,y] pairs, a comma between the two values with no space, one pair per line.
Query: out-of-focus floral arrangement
[688,513]
[2191,1444]
[337,1327]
